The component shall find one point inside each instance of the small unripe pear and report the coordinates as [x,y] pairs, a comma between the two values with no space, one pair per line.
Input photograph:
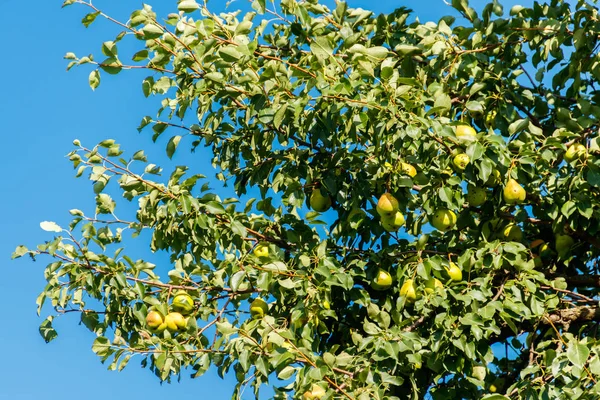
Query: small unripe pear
[460,162]
[576,151]
[258,308]
[392,223]
[466,133]
[432,285]
[512,233]
[443,219]
[563,243]
[513,192]
[408,169]
[494,179]
[382,281]
[454,272]
[175,321]
[319,202]
[154,319]
[387,205]
[476,196]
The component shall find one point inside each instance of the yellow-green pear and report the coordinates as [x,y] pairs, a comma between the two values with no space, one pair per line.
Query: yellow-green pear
[183,303]
[262,250]
[479,372]
[175,321]
[408,169]
[382,281]
[494,179]
[319,202]
[316,392]
[513,192]
[443,219]
[460,162]
[466,133]
[387,205]
[258,308]
[563,243]
[512,232]
[392,223]
[454,272]
[576,151]
[432,285]
[409,291]
[476,196]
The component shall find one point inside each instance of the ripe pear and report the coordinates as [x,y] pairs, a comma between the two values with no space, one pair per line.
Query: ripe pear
[576,151]
[476,196]
[393,223]
[433,285]
[512,233]
[513,192]
[319,202]
[454,272]
[387,205]
[175,322]
[258,308]
[316,392]
[460,162]
[563,243]
[408,169]
[409,291]
[262,250]
[154,320]
[382,281]
[494,179]
[466,133]
[443,219]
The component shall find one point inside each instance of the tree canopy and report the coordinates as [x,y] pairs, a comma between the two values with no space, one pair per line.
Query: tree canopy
[417,210]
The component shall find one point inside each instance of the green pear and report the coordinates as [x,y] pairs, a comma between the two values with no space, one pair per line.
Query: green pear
[563,243]
[512,233]
[513,192]
[183,303]
[494,179]
[409,291]
[319,202]
[382,281]
[443,219]
[387,205]
[316,392]
[576,151]
[262,250]
[392,223]
[476,196]
[258,308]
[433,285]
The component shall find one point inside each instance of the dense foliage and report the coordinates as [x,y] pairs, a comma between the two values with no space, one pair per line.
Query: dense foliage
[476,274]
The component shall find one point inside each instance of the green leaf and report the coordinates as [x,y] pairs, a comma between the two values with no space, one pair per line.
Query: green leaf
[172,145]
[20,251]
[47,331]
[577,353]
[188,6]
[50,226]
[101,346]
[321,48]
[89,18]
[152,31]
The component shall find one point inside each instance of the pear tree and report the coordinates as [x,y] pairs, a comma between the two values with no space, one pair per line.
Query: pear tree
[416,210]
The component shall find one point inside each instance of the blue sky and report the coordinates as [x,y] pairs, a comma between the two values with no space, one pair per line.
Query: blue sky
[43,109]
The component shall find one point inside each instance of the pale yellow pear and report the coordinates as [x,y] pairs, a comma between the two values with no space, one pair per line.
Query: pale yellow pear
[408,169]
[409,291]
[387,205]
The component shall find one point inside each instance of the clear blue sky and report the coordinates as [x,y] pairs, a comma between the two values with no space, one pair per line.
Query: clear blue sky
[43,108]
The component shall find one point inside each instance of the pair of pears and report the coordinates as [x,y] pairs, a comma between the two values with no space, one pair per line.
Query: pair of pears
[387,208]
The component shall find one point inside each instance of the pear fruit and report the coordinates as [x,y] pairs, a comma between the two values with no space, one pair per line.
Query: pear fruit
[387,205]
[262,250]
[382,281]
[513,192]
[466,133]
[563,244]
[258,308]
[409,290]
[476,196]
[443,219]
[408,169]
[454,272]
[479,372]
[460,162]
[154,320]
[512,233]
[175,322]
[393,223]
[319,202]
[494,179]
[183,303]
[316,392]
[576,151]
[433,285]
